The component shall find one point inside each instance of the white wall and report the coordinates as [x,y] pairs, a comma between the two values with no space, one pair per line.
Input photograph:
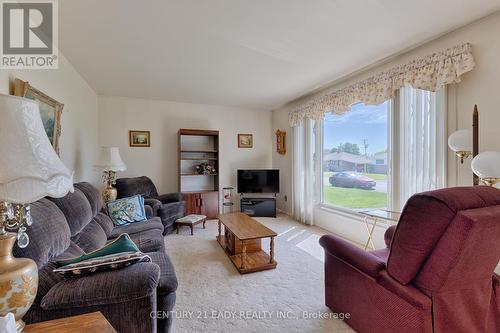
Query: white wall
[283,162]
[118,115]
[78,143]
[477,87]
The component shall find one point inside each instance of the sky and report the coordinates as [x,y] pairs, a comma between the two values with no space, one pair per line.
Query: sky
[361,122]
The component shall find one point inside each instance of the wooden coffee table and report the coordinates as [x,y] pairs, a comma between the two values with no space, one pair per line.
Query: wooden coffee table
[87,323]
[242,242]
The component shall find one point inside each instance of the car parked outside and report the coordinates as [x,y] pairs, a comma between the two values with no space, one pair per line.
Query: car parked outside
[352,179]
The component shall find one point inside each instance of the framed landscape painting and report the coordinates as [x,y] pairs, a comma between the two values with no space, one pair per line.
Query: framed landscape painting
[50,110]
[245,141]
[139,138]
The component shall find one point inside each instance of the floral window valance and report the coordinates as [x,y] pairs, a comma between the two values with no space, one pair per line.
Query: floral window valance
[428,73]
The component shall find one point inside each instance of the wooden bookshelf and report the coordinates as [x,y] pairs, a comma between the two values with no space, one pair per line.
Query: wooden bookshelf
[201,191]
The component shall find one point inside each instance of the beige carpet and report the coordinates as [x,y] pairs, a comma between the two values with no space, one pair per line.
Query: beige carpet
[213,297]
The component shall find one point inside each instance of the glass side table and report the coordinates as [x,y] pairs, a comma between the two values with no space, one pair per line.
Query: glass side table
[378,215]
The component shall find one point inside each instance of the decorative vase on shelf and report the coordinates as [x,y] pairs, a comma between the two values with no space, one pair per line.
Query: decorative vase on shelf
[18,281]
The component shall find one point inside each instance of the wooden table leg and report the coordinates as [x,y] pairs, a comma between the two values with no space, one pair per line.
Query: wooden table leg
[243,254]
[220,227]
[204,223]
[271,251]
[192,227]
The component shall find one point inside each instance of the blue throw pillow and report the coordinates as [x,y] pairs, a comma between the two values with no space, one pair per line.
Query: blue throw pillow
[122,244]
[127,210]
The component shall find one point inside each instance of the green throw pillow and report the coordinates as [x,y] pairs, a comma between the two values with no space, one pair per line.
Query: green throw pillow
[122,244]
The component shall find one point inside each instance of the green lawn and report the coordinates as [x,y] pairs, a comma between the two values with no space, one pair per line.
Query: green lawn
[354,197]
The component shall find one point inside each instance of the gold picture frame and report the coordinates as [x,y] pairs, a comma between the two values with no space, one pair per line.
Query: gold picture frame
[245,140]
[139,138]
[50,110]
[281,142]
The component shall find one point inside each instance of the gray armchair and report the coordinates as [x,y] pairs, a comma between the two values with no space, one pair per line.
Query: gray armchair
[169,207]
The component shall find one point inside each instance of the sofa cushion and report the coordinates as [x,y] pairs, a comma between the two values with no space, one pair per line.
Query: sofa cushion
[77,210]
[149,240]
[126,210]
[168,279]
[49,234]
[93,196]
[92,237]
[105,223]
[110,287]
[151,224]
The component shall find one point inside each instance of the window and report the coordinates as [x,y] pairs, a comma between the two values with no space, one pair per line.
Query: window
[355,158]
[366,165]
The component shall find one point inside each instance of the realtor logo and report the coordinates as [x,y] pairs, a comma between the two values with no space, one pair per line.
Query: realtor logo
[29,34]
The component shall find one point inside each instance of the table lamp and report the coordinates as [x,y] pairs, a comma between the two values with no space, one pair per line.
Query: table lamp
[110,162]
[29,170]
[487,167]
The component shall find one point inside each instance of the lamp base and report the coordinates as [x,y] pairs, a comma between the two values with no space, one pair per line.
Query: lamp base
[490,181]
[18,281]
[110,193]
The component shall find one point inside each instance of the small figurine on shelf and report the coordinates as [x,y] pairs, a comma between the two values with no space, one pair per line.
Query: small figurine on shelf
[205,169]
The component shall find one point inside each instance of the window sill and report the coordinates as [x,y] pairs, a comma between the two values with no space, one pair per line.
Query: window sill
[350,214]
[340,211]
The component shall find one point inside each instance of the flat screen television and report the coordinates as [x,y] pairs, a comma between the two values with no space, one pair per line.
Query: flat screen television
[259,181]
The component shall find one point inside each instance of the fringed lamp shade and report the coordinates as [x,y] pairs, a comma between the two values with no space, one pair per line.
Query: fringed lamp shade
[30,168]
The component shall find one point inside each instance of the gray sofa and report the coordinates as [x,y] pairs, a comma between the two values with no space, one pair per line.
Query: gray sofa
[169,207]
[67,227]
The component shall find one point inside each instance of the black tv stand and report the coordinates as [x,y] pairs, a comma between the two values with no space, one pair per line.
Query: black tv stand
[258,207]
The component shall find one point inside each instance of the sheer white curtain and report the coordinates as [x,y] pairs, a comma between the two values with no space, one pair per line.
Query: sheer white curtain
[422,142]
[303,171]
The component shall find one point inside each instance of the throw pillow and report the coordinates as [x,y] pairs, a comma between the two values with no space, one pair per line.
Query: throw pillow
[121,244]
[127,210]
[109,262]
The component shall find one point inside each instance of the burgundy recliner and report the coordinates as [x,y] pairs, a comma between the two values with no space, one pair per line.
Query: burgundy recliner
[436,274]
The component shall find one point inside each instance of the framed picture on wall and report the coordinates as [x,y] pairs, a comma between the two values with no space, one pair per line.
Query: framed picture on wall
[139,138]
[50,110]
[245,140]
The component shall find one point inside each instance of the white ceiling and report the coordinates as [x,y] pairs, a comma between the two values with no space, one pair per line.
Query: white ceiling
[247,53]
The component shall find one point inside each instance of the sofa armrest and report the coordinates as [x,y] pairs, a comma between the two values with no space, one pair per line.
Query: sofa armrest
[352,255]
[407,292]
[388,235]
[155,205]
[171,197]
[172,209]
[149,211]
[110,287]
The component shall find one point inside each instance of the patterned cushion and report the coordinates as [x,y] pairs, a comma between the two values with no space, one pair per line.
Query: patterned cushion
[122,244]
[127,210]
[191,218]
[112,261]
